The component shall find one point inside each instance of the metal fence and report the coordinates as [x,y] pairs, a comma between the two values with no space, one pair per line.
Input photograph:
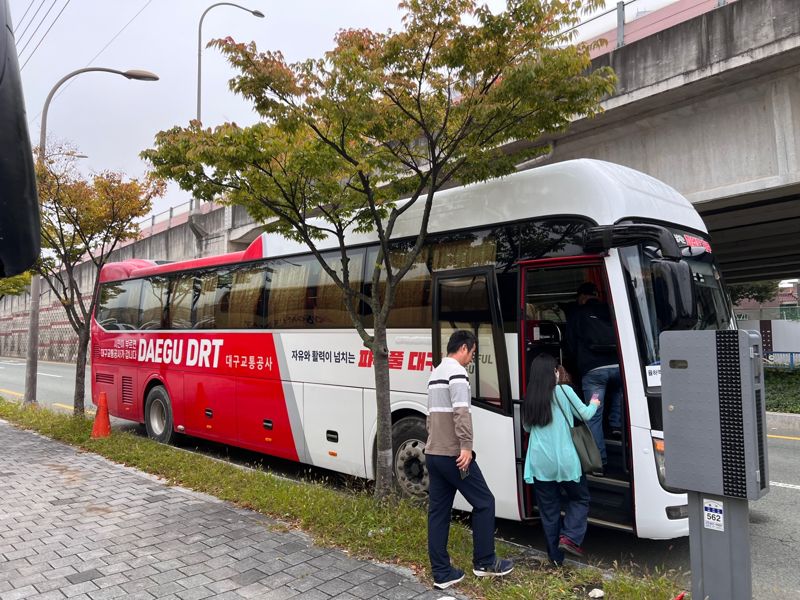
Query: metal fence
[782,360]
[774,313]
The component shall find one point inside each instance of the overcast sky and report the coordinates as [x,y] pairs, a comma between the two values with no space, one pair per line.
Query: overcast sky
[112,119]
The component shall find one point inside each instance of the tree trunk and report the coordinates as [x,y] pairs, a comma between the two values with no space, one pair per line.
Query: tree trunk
[380,365]
[80,372]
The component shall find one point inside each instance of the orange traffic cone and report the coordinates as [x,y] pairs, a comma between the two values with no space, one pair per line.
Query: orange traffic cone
[102,424]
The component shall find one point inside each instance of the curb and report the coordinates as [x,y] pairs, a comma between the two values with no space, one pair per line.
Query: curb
[785,422]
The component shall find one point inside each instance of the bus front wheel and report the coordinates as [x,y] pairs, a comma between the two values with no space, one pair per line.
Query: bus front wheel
[408,441]
[158,415]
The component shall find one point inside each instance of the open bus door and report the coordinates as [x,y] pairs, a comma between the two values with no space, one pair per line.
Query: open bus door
[548,295]
[468,299]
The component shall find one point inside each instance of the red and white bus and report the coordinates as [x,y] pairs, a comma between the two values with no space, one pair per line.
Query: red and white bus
[255,348]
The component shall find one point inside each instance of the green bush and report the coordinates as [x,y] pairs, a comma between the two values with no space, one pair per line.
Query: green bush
[783,390]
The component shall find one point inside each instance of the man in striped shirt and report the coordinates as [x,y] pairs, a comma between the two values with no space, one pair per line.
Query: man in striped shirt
[451,467]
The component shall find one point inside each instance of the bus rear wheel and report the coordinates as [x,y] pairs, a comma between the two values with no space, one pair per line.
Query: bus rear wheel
[408,464]
[158,415]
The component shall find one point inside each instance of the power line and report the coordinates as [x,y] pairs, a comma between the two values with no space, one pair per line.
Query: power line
[103,49]
[35,31]
[33,18]
[30,56]
[25,14]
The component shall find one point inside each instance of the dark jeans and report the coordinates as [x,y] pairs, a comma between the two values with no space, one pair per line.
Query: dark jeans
[445,480]
[548,499]
[607,384]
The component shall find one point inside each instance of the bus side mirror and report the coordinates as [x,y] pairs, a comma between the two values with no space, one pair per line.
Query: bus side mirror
[19,204]
[674,295]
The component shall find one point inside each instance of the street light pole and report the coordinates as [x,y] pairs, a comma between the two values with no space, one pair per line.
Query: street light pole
[32,363]
[255,13]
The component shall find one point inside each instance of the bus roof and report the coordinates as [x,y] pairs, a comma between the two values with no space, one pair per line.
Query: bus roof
[604,192]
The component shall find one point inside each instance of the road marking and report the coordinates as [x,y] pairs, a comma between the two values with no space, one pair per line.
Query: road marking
[17,394]
[49,375]
[791,486]
[784,437]
[70,407]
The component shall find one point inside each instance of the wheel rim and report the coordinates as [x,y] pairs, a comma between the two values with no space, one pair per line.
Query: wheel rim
[158,417]
[409,468]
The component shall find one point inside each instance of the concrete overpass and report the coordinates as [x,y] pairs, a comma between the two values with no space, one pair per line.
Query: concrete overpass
[708,100]
[711,106]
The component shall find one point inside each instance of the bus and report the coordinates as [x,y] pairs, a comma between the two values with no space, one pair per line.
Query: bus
[256,349]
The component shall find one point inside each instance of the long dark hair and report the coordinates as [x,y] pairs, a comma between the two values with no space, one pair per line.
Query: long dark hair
[537,408]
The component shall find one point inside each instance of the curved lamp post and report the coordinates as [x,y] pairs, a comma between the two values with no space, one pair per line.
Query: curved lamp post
[255,13]
[32,363]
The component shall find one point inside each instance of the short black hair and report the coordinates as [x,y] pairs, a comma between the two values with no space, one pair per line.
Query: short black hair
[459,338]
[588,288]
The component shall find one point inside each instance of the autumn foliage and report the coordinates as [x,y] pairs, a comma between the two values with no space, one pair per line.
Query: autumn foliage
[458,95]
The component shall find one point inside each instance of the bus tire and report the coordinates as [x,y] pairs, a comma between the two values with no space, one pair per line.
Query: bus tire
[158,415]
[408,457]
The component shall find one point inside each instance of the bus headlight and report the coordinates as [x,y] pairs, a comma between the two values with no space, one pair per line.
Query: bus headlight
[658,453]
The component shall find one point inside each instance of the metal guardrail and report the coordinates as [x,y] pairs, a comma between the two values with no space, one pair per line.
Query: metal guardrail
[773,313]
[782,360]
[619,9]
[167,215]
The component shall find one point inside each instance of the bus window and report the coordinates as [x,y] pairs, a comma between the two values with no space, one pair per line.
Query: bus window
[246,307]
[213,299]
[713,306]
[412,298]
[328,304]
[288,291]
[118,306]
[181,298]
[551,237]
[463,250]
[464,303]
[154,295]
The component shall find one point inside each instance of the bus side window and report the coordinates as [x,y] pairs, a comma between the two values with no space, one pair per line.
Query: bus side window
[153,302]
[246,297]
[412,300]
[329,306]
[205,306]
[118,307]
[181,296]
[288,290]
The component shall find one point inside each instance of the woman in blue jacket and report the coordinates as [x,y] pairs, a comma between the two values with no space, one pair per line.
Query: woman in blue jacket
[552,463]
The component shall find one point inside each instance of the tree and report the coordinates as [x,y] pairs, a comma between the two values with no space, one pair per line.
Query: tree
[16,285]
[382,117]
[760,291]
[83,221]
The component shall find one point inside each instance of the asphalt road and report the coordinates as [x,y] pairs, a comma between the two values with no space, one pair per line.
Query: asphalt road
[55,384]
[774,520]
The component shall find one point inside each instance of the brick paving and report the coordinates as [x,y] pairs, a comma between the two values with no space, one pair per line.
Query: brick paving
[75,525]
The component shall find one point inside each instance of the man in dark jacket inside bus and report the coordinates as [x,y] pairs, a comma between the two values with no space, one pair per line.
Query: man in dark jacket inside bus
[593,340]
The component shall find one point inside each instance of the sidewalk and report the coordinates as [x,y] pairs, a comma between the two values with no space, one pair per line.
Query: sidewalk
[74,525]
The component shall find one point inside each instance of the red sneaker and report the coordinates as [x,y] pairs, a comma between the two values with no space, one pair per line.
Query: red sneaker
[567,545]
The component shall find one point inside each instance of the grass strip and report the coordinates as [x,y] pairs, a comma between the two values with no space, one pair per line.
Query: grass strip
[353,521]
[782,390]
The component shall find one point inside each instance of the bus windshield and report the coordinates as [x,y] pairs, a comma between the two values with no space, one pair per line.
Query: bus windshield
[714,309]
